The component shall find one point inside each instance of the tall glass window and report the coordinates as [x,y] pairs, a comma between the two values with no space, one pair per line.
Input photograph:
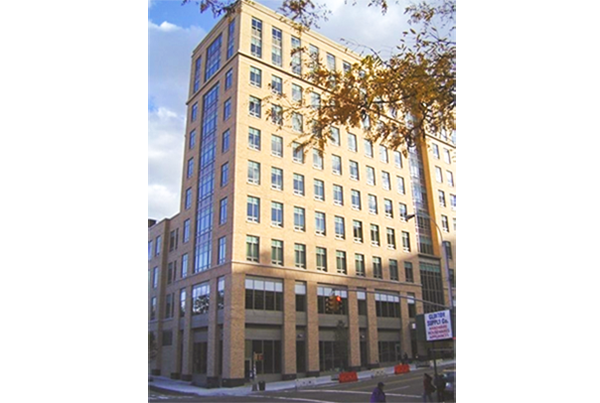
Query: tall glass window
[197,69]
[277,49]
[213,59]
[277,252]
[200,298]
[296,56]
[299,219]
[321,254]
[253,209]
[230,38]
[277,214]
[256,38]
[300,255]
[276,178]
[252,248]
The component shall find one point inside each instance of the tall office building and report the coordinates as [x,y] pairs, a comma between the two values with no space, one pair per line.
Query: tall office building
[266,233]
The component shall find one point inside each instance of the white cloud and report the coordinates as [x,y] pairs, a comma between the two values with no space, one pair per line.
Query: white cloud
[169,57]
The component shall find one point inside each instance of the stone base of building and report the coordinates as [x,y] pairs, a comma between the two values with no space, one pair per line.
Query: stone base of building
[232,382]
[354,369]
[372,366]
[175,375]
[212,382]
[186,377]
[312,373]
[155,372]
[288,377]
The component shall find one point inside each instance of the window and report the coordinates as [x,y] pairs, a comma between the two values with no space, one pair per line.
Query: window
[224,174]
[372,204]
[155,277]
[397,159]
[228,79]
[374,234]
[221,293]
[447,156]
[338,195]
[149,250]
[368,148]
[442,198]
[253,172]
[406,241]
[194,112]
[400,185]
[383,154]
[222,250]
[438,175]
[276,115]
[352,142]
[377,269]
[357,231]
[300,255]
[299,184]
[186,231]
[255,77]
[264,294]
[355,199]
[296,56]
[253,209]
[277,252]
[223,211]
[321,259]
[277,47]
[448,248]
[387,305]
[336,164]
[319,190]
[391,238]
[340,262]
[299,219]
[252,248]
[450,178]
[190,167]
[412,307]
[227,109]
[225,141]
[445,225]
[182,297]
[340,229]
[436,151]
[296,93]
[330,61]
[403,210]
[394,270]
[453,201]
[276,178]
[361,296]
[197,67]
[335,136]
[256,38]
[255,107]
[454,223]
[153,308]
[276,214]
[184,265]
[320,223]
[213,59]
[317,159]
[230,38]
[276,85]
[298,153]
[192,139]
[297,124]
[276,146]
[346,66]
[200,298]
[408,272]
[370,176]
[359,264]
[300,289]
[157,246]
[313,52]
[385,178]
[188,198]
[354,170]
[388,208]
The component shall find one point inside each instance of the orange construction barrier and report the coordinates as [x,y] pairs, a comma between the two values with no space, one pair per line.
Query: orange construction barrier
[348,377]
[401,369]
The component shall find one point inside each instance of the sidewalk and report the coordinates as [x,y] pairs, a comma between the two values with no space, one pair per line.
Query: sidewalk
[165,384]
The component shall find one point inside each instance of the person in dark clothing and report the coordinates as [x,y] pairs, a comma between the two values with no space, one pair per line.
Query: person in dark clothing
[440,385]
[378,395]
[405,359]
[428,388]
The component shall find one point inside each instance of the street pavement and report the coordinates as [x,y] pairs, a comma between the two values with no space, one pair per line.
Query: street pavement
[401,388]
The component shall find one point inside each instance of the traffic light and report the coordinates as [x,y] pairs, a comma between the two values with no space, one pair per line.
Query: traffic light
[329,304]
[338,304]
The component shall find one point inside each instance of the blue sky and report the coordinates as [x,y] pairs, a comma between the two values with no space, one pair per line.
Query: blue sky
[174,30]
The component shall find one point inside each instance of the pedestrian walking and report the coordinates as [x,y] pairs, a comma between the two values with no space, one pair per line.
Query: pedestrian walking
[440,385]
[428,388]
[405,358]
[378,394]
